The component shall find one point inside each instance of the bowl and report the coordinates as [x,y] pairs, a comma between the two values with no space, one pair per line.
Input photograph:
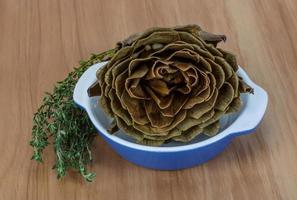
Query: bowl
[174,155]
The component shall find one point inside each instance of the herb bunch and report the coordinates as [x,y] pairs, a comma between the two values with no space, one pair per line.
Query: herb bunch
[72,131]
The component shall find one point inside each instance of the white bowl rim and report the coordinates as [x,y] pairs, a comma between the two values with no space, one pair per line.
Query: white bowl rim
[246,122]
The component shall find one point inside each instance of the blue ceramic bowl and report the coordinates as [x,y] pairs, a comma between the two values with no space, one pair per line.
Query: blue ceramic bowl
[174,155]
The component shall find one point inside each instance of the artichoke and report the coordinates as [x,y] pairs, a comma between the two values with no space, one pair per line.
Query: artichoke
[169,84]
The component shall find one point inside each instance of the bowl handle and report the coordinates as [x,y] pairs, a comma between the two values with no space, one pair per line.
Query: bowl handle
[254,110]
[80,94]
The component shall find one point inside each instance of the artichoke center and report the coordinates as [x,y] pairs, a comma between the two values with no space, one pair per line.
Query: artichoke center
[172,77]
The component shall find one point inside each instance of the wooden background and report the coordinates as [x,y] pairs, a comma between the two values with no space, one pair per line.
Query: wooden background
[42,40]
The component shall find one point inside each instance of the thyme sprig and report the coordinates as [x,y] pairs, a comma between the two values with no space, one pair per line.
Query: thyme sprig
[72,131]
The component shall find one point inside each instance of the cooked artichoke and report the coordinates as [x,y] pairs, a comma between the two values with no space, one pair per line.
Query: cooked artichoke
[169,84]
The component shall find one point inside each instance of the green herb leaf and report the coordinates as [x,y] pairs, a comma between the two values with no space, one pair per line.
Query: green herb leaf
[72,131]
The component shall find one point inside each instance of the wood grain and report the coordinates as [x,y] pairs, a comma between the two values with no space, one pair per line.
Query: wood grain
[42,40]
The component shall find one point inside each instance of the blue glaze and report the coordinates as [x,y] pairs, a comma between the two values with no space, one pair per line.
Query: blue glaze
[169,160]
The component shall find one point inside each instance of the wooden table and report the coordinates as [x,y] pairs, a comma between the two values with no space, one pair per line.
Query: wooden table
[42,40]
